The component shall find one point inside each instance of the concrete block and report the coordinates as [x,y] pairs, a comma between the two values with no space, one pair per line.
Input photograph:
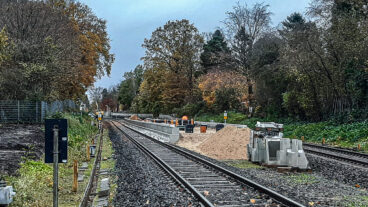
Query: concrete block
[104,188]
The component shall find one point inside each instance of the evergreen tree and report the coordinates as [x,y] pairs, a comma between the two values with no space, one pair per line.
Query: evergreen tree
[216,54]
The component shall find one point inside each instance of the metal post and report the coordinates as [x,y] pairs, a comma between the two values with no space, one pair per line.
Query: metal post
[56,160]
[18,111]
[36,111]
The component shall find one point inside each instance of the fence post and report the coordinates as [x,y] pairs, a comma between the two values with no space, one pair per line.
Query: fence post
[18,110]
[36,111]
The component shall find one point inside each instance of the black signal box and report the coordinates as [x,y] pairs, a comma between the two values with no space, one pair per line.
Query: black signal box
[62,126]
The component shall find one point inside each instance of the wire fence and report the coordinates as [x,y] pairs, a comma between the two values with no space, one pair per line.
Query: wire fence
[16,111]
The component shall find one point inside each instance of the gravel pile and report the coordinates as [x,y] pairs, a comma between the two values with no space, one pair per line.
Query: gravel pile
[140,181]
[319,188]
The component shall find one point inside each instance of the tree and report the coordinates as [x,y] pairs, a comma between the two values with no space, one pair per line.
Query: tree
[223,90]
[216,54]
[129,88]
[172,51]
[244,27]
[58,53]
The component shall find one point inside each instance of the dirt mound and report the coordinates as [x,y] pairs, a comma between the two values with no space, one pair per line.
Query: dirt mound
[134,117]
[17,141]
[227,144]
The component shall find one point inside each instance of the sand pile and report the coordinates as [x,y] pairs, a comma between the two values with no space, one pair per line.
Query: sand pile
[192,141]
[227,144]
[134,117]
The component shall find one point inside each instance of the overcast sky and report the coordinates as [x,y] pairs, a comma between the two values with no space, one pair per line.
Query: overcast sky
[130,21]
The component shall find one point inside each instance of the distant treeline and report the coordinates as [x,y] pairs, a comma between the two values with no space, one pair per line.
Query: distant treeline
[50,49]
[307,69]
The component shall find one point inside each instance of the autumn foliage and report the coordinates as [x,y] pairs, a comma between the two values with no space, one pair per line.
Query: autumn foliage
[56,55]
[212,82]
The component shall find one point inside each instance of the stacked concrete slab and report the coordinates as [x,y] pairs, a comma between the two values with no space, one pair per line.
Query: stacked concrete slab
[169,131]
[275,150]
[212,125]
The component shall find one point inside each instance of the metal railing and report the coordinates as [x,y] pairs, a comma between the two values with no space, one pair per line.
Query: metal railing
[21,111]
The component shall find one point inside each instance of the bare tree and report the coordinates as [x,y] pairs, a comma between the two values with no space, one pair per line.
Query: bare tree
[244,26]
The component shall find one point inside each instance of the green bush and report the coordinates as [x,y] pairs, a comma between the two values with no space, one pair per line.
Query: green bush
[34,183]
[345,135]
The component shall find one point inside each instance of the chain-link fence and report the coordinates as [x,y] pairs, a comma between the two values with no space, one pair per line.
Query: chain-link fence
[31,111]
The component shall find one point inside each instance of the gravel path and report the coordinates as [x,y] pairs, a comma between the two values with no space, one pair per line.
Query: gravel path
[323,187]
[140,181]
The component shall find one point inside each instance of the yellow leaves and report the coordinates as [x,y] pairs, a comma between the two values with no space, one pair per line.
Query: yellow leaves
[209,83]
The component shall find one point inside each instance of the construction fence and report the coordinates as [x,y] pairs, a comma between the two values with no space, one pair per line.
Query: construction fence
[17,111]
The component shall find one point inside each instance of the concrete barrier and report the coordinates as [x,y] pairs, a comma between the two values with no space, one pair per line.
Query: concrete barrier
[165,130]
[212,125]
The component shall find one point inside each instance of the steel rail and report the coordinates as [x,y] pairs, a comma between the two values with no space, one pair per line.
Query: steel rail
[337,157]
[168,169]
[275,195]
[87,192]
[345,151]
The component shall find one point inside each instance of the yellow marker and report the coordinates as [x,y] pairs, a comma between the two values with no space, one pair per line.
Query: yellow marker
[323,140]
[172,121]
[302,138]
[176,122]
[192,121]
[358,146]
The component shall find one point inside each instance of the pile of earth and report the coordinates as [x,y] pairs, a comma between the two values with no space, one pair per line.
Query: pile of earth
[230,143]
[17,141]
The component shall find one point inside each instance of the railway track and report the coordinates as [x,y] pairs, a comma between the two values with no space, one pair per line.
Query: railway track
[211,184]
[349,156]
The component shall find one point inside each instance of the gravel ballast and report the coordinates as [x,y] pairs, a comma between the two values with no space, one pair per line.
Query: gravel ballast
[321,187]
[140,181]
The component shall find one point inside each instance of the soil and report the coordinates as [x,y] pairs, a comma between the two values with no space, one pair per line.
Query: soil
[228,143]
[17,141]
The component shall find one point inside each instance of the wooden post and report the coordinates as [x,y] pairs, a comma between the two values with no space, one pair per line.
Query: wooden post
[88,154]
[176,122]
[323,140]
[75,176]
[302,138]
[359,147]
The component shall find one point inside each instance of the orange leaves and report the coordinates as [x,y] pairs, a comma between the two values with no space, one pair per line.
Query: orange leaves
[209,83]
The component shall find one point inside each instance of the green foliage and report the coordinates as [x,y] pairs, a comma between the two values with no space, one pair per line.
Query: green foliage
[345,135]
[129,87]
[303,179]
[34,182]
[216,54]
[189,109]
[226,99]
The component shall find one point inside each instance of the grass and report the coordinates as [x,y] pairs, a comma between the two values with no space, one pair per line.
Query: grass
[302,179]
[34,182]
[244,164]
[361,201]
[344,135]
